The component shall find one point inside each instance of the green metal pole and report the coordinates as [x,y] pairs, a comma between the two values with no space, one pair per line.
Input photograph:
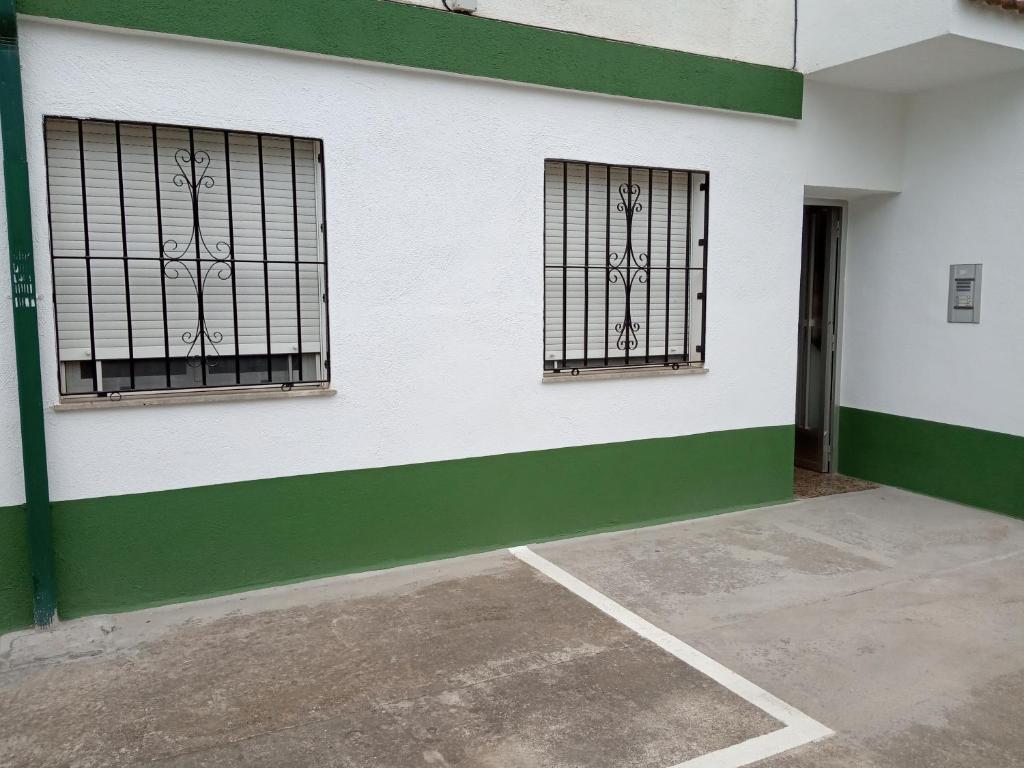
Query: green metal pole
[26,325]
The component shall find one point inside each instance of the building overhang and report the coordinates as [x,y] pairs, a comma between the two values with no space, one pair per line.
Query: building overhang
[910,46]
[933,63]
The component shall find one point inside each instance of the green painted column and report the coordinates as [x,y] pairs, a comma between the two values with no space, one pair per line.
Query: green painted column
[26,325]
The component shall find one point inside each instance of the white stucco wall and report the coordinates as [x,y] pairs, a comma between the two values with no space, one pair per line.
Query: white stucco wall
[437,334]
[760,32]
[980,21]
[963,183]
[851,140]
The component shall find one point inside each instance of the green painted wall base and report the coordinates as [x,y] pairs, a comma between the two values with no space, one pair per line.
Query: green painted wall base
[971,466]
[15,576]
[126,552]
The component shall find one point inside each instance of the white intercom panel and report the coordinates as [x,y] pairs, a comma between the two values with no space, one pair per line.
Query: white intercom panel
[964,293]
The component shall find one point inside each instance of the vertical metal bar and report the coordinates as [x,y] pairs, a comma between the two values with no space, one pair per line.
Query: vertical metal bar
[704,271]
[607,250]
[199,265]
[647,319]
[668,262]
[295,229]
[88,259]
[231,254]
[545,270]
[586,270]
[627,321]
[686,262]
[565,256]
[124,252]
[160,249]
[266,273]
[326,351]
[26,323]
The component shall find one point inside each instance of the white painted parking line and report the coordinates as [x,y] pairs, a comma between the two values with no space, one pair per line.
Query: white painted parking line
[799,728]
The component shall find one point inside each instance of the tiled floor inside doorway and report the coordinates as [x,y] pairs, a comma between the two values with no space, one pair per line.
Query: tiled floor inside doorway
[808,484]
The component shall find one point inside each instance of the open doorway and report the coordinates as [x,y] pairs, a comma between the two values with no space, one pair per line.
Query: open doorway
[816,357]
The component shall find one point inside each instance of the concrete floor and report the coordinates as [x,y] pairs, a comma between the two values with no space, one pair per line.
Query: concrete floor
[896,620]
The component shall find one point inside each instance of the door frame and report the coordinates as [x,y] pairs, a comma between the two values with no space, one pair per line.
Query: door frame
[840,314]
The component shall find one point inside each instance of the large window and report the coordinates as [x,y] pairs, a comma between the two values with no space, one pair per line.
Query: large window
[185,257]
[624,257]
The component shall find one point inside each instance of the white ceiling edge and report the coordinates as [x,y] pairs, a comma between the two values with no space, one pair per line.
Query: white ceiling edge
[934,63]
[842,194]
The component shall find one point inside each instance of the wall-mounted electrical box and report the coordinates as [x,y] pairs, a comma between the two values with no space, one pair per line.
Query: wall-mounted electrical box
[964,293]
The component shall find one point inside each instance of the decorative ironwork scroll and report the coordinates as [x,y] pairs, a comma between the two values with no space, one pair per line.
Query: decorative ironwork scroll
[178,262]
[628,267]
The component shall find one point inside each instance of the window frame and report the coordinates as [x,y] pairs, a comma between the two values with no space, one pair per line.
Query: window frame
[628,369]
[214,391]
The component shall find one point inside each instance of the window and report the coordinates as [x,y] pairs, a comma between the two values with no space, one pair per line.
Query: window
[185,257]
[624,256]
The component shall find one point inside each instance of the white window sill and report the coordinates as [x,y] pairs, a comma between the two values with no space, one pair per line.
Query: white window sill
[146,399]
[592,374]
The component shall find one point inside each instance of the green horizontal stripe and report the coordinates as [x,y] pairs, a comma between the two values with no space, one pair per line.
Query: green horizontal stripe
[412,36]
[125,552]
[971,466]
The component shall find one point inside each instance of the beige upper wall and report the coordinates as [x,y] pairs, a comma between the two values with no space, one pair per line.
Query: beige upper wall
[759,32]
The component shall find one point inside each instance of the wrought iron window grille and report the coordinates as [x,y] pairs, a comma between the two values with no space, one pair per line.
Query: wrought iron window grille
[190,162]
[125,319]
[625,255]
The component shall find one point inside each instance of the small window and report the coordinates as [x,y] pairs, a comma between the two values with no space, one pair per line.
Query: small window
[624,256]
[185,257]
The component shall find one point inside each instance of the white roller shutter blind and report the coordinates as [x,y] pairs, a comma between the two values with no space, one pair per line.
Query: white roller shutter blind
[594,233]
[100,219]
